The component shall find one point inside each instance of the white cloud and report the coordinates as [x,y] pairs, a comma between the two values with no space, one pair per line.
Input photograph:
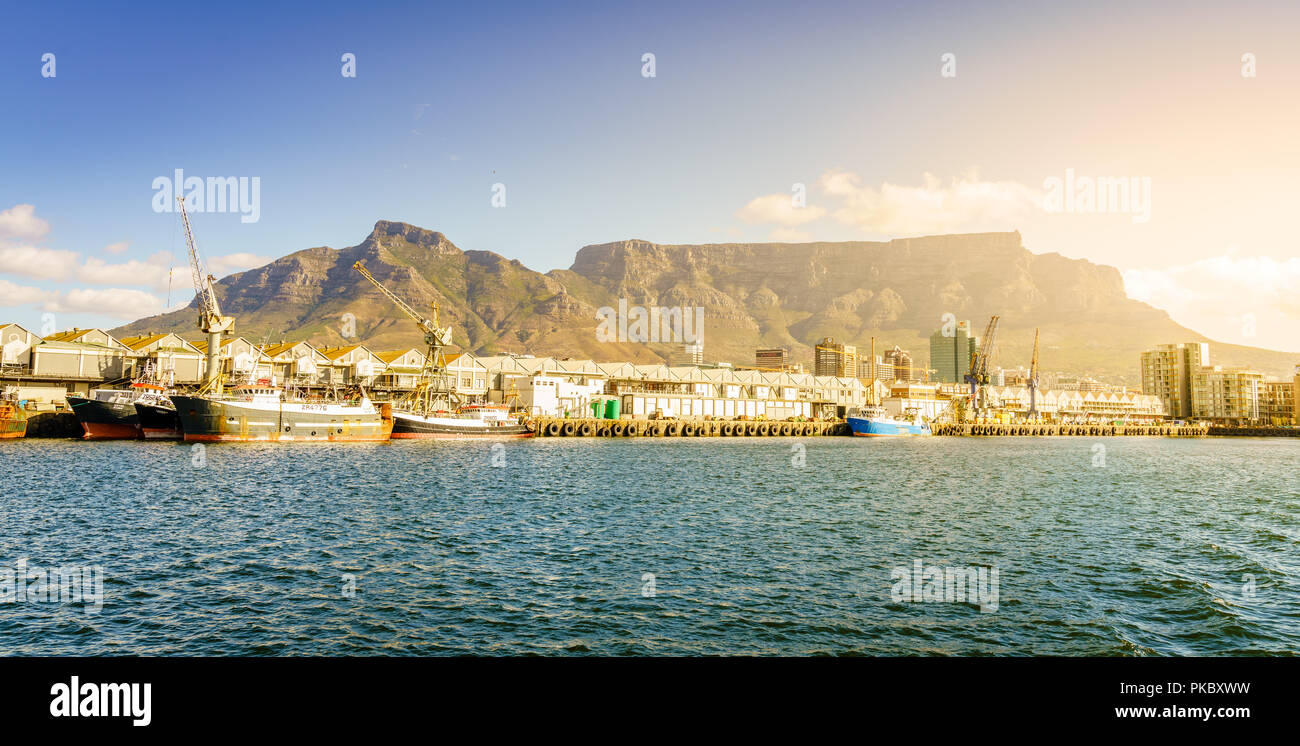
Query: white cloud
[779,209]
[20,222]
[966,203]
[12,295]
[122,299]
[1241,300]
[115,302]
[42,264]
[118,303]
[57,264]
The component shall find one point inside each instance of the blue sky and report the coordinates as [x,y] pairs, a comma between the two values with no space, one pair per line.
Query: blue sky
[548,99]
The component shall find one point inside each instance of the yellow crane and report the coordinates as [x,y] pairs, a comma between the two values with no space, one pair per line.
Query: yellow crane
[431,388]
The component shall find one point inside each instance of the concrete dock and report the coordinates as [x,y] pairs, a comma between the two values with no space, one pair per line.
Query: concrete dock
[555,427]
[1092,431]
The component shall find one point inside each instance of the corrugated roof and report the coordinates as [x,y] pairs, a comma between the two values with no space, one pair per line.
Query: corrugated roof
[135,343]
[388,356]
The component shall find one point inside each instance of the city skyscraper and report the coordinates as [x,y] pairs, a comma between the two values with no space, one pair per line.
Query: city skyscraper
[950,354]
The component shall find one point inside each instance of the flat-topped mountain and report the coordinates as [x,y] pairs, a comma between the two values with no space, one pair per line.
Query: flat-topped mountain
[752,295]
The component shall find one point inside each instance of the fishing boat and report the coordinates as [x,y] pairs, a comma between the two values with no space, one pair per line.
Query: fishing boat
[875,422]
[112,414]
[13,420]
[261,411]
[158,420]
[470,421]
[429,410]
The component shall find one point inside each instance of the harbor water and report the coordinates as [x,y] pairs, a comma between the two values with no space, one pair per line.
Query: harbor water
[658,546]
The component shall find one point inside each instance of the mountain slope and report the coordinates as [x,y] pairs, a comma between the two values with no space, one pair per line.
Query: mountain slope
[752,295]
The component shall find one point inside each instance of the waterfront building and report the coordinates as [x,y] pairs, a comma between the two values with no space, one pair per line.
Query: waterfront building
[16,348]
[296,363]
[1167,372]
[1277,403]
[173,358]
[1075,404]
[401,370]
[1228,394]
[83,355]
[1295,397]
[239,359]
[835,360]
[350,364]
[950,354]
[903,398]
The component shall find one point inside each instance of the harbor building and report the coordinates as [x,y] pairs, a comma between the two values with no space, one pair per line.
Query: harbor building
[296,362]
[173,358]
[1229,394]
[1277,403]
[950,355]
[1080,405]
[1295,397]
[835,360]
[401,369]
[16,347]
[1167,372]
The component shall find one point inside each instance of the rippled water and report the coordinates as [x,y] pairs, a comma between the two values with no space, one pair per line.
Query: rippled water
[1152,546]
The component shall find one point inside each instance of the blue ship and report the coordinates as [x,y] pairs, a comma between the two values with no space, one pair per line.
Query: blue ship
[877,424]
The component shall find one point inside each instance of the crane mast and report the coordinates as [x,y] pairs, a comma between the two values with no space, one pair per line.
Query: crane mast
[211,322]
[429,392]
[978,377]
[1033,379]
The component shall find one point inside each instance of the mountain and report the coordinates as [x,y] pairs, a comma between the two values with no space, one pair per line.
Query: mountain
[752,295]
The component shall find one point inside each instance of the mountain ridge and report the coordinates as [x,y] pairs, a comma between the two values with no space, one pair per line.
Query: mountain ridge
[752,295]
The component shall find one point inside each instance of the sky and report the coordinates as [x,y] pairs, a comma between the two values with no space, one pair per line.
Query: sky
[533,129]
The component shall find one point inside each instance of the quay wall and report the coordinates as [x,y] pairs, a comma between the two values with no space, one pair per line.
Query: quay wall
[556,427]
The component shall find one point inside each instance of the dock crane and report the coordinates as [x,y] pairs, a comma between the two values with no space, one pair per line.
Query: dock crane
[1033,378]
[978,377]
[210,319]
[427,392]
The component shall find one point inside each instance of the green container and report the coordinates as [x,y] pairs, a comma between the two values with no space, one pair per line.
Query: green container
[598,409]
[611,409]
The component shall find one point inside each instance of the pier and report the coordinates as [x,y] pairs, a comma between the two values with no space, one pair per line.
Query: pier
[1043,430]
[557,427]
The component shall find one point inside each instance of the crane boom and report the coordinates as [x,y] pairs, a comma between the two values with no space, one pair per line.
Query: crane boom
[978,376]
[430,328]
[429,392]
[210,319]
